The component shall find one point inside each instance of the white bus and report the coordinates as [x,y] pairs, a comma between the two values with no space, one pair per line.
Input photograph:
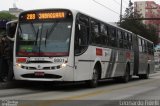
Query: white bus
[68,45]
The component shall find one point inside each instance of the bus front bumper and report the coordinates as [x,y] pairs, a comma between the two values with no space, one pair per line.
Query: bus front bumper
[61,74]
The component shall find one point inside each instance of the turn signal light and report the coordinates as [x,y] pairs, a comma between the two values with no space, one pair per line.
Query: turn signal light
[21,60]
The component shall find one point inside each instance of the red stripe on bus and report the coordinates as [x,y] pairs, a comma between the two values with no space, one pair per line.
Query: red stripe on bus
[43,53]
[99,52]
[128,55]
[21,60]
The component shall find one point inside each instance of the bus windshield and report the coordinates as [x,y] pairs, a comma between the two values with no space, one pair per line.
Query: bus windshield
[44,38]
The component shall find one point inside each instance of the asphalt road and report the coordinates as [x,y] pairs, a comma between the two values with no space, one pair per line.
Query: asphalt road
[109,93]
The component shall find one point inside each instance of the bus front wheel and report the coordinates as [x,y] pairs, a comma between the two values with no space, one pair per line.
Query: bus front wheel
[94,81]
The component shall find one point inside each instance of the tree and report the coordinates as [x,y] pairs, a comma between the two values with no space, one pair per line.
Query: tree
[4,18]
[7,16]
[131,23]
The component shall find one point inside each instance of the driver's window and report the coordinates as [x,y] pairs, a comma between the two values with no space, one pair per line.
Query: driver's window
[81,33]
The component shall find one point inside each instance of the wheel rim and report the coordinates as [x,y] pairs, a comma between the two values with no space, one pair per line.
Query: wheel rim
[127,76]
[95,77]
[147,74]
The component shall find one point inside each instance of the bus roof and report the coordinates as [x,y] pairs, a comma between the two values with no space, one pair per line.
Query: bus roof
[75,11]
[144,38]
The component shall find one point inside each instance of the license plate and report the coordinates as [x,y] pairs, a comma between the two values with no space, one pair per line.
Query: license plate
[39,74]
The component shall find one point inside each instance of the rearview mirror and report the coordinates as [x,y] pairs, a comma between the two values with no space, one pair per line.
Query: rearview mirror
[79,27]
[11,29]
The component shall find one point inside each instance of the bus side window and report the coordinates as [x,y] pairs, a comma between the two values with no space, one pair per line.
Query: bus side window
[81,33]
[130,41]
[126,44]
[140,44]
[105,34]
[120,37]
[95,32]
[113,39]
[146,48]
[143,46]
[150,48]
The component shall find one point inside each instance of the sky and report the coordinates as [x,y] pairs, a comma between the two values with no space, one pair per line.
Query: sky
[105,9]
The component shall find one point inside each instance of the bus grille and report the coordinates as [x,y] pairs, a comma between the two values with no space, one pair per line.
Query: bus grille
[45,76]
[43,68]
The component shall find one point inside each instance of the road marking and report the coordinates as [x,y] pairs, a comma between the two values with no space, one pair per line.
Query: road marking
[98,92]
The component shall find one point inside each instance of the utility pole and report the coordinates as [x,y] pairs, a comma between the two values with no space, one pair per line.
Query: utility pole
[121,13]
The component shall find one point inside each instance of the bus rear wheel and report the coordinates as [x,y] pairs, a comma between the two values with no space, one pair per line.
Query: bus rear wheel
[126,76]
[145,76]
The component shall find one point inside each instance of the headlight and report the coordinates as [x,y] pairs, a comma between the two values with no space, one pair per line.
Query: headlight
[63,65]
[18,65]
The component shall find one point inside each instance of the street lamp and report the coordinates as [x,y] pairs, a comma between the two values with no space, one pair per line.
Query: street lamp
[121,13]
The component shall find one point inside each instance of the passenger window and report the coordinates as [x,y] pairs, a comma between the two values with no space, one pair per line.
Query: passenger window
[130,41]
[139,41]
[120,37]
[140,44]
[143,46]
[126,43]
[104,34]
[112,35]
[95,31]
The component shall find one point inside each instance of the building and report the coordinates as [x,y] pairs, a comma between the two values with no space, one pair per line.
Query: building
[15,11]
[149,9]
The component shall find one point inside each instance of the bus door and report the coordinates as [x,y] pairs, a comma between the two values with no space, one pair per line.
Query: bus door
[82,58]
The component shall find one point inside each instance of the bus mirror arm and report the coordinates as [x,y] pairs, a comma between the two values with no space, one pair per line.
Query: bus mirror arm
[11,39]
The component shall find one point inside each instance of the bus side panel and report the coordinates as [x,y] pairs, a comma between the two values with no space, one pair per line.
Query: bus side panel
[111,65]
[102,55]
[143,63]
[121,62]
[151,63]
[136,55]
[83,69]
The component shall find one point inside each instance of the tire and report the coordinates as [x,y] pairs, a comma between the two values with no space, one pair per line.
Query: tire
[93,83]
[126,76]
[145,76]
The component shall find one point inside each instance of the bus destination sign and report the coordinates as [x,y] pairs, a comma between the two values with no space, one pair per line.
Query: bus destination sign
[43,15]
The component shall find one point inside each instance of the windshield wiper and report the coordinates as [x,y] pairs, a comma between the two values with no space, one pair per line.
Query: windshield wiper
[46,37]
[40,38]
[49,33]
[37,33]
[20,32]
